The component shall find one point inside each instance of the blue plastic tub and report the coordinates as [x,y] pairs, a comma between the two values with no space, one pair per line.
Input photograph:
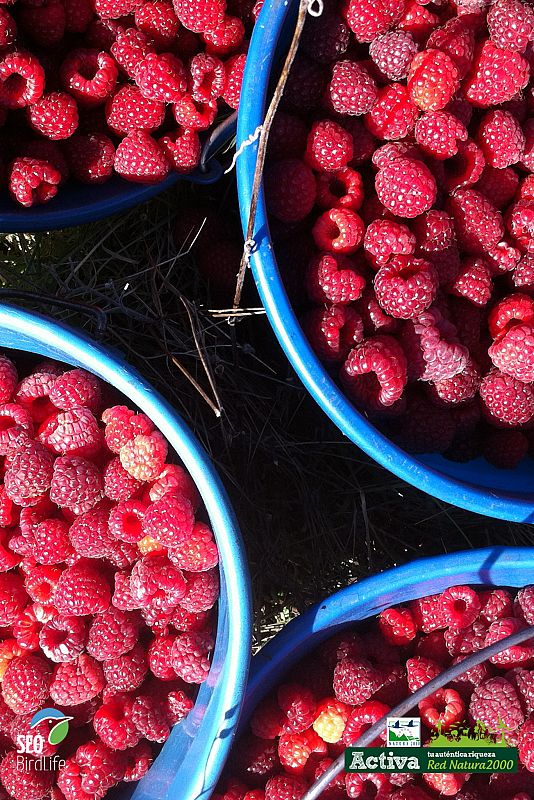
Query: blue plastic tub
[477,486]
[504,566]
[191,760]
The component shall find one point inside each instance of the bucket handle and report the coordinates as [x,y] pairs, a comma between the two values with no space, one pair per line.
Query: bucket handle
[99,314]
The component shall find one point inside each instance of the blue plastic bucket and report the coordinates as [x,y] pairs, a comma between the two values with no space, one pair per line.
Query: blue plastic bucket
[498,566]
[193,757]
[476,485]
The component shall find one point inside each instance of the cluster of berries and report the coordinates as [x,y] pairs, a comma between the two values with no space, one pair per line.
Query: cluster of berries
[355,678]
[401,196]
[107,585]
[93,87]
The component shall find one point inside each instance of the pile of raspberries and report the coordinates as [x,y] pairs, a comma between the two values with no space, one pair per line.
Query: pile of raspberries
[356,677]
[107,585]
[401,197]
[89,88]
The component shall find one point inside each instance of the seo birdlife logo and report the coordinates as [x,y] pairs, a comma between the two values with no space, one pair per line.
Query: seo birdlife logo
[34,741]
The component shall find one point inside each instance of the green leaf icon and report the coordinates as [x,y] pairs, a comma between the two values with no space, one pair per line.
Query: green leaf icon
[59,732]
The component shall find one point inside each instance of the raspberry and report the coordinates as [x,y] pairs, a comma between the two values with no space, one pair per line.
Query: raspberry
[457,39]
[130,48]
[521,655]
[479,225]
[298,705]
[351,90]
[505,449]
[525,746]
[519,221]
[51,544]
[511,24]
[169,520]
[406,286]
[32,181]
[333,331]
[394,113]
[91,157]
[139,158]
[127,672]
[234,68]
[194,115]
[496,604]
[507,401]
[420,671]
[190,656]
[523,275]
[139,759]
[499,185]
[460,387]
[182,149]
[90,535]
[338,230]
[329,146]
[114,725]
[393,53]
[267,720]
[76,484]
[198,552]
[385,238]
[368,19]
[41,582]
[460,606]
[226,38]
[432,79]
[397,626]
[501,138]
[159,658]
[156,582]
[24,784]
[8,29]
[437,134]
[522,681]
[119,485]
[341,189]
[524,604]
[161,77]
[294,751]
[199,17]
[158,21]
[77,681]
[334,278]
[22,80]
[93,90]
[174,480]
[376,372]
[447,784]
[355,681]
[29,473]
[112,634]
[285,787]
[442,709]
[406,187]
[495,702]
[63,638]
[331,718]
[207,77]
[26,629]
[74,433]
[123,425]
[497,76]
[54,115]
[128,111]
[202,591]
[90,772]
[465,168]
[113,9]
[26,684]
[290,188]
[428,613]
[474,282]
[513,352]
[33,393]
[8,379]
[362,718]
[82,590]
[78,16]
[15,427]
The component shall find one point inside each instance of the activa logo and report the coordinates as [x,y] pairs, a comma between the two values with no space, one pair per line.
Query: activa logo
[57,731]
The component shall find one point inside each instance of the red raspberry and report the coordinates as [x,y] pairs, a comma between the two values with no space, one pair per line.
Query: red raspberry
[355,681]
[226,38]
[385,238]
[162,77]
[32,181]
[513,352]
[406,187]
[406,286]
[157,583]
[290,188]
[234,68]
[428,613]
[420,671]
[24,784]
[524,604]
[465,168]
[362,718]
[523,682]
[525,746]
[54,115]
[82,590]
[334,278]
[198,552]
[333,331]
[351,90]
[193,115]
[93,90]
[74,433]
[41,582]
[393,53]
[391,151]
[125,521]
[22,80]
[158,21]
[432,79]
[113,9]
[499,185]
[130,48]
[267,720]
[461,387]
[8,29]
[76,484]
[90,772]
[26,684]
[298,705]
[294,750]
[90,535]
[63,638]
[521,655]
[207,77]
[91,157]
[507,401]
[442,709]
[418,21]
[77,682]
[375,372]
[200,16]
[434,231]
[169,520]
[128,111]
[8,379]
[497,75]
[78,16]
[112,634]
[122,597]
[338,230]
[51,544]
[76,388]
[527,161]
[341,189]
[114,725]
[447,784]
[325,39]
[368,19]
[159,658]
[479,225]
[520,221]
[457,39]
[501,138]
[505,449]
[474,282]
[150,718]
[127,672]
[174,480]
[139,158]
[496,604]
[329,146]
[16,427]
[460,606]
[119,485]
[511,24]
[393,115]
[190,656]
[29,473]
[123,425]
[438,133]
[8,559]
[363,143]
[523,274]
[202,591]
[494,702]
[397,626]
[139,759]
[182,149]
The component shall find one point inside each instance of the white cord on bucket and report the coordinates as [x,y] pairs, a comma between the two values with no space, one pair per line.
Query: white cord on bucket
[244,144]
[315,8]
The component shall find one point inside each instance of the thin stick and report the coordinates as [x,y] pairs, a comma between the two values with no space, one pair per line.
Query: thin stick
[262,149]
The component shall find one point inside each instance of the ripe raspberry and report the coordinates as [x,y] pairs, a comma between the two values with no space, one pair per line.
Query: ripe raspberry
[91,771]
[90,535]
[394,113]
[194,115]
[434,231]
[294,750]
[63,638]
[32,181]
[161,77]
[169,520]
[507,401]
[22,80]
[393,53]
[26,629]
[460,387]
[406,187]
[112,634]
[16,426]
[420,671]
[341,189]
[82,590]
[78,16]
[77,682]
[55,115]
[432,79]
[24,784]
[8,29]
[26,684]
[474,282]
[139,158]
[138,761]
[465,168]
[457,39]
[501,138]
[226,38]
[385,238]
[511,24]
[525,746]
[428,613]
[182,149]
[114,9]
[29,473]
[123,425]
[438,133]
[355,681]
[442,709]
[190,656]
[198,552]
[91,157]
[127,672]
[159,658]
[158,21]
[406,286]
[93,90]
[128,111]
[130,48]
[524,604]
[8,379]
[200,16]
[460,606]
[351,90]
[499,185]
[523,274]
[397,626]
[338,230]
[234,67]
[521,655]
[175,480]
[76,484]
[520,221]
[333,331]
[375,372]
[76,388]
[496,604]
[267,720]
[51,544]
[202,591]
[329,146]
[290,189]
[513,352]
[334,278]
[479,225]
[114,725]
[368,19]
[119,485]
[41,582]
[362,718]
[74,433]
[207,77]
[505,449]
[497,76]
[496,701]
[155,582]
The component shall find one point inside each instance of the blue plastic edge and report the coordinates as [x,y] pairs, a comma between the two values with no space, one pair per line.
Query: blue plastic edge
[190,763]
[501,504]
[497,566]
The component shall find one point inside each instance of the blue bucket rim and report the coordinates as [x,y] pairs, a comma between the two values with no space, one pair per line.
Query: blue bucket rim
[21,330]
[260,62]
